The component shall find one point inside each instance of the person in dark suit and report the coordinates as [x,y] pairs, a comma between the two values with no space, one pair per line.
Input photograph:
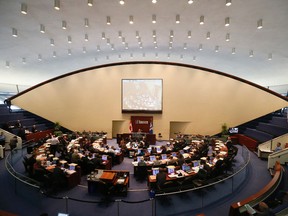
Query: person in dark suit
[161,178]
[13,142]
[58,178]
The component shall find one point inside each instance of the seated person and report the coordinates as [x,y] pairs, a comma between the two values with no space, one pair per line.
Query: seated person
[58,178]
[2,139]
[141,162]
[278,147]
[171,160]
[161,178]
[263,209]
[157,162]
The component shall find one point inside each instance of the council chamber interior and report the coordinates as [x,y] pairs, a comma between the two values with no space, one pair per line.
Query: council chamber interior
[145,137]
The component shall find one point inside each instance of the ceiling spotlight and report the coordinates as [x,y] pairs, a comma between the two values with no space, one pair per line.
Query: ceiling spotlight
[84,50]
[108,41]
[90,3]
[171,33]
[126,46]
[119,34]
[69,52]
[185,46]
[137,34]
[177,18]
[189,34]
[194,58]
[131,20]
[86,37]
[108,20]
[200,47]
[103,36]
[251,54]
[154,33]
[259,24]
[227,37]
[270,56]
[168,55]
[208,35]
[24,60]
[233,50]
[112,47]
[52,42]
[98,48]
[54,54]
[123,40]
[154,1]
[153,18]
[69,39]
[86,22]
[216,48]
[42,28]
[122,2]
[57,4]
[190,1]
[227,21]
[7,64]
[139,41]
[201,20]
[14,32]
[24,8]
[228,2]
[64,25]
[39,57]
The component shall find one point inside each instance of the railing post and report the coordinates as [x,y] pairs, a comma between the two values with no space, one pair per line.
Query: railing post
[118,206]
[66,204]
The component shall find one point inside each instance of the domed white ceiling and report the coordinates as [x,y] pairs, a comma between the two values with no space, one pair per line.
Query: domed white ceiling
[242,48]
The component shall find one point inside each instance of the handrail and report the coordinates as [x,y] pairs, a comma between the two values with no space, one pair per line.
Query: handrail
[280,156]
[239,207]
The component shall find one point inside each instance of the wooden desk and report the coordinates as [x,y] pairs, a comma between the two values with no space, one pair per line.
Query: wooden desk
[108,176]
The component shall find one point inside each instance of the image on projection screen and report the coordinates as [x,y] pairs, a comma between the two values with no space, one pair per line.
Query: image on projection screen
[142,95]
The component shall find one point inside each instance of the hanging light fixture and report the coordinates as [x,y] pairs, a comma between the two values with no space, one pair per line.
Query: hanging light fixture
[154,18]
[137,34]
[228,2]
[108,20]
[122,2]
[251,54]
[216,48]
[154,33]
[86,22]
[7,64]
[69,39]
[270,56]
[64,25]
[103,36]
[120,34]
[233,50]
[86,37]
[259,24]
[177,18]
[189,34]
[227,37]
[190,1]
[208,36]
[90,3]
[131,19]
[14,32]
[171,34]
[200,47]
[52,42]
[42,28]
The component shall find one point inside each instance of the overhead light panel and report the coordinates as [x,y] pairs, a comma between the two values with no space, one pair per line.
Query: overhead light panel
[227,21]
[90,3]
[64,25]
[42,28]
[24,8]
[228,2]
[57,4]
[131,19]
[154,18]
[14,32]
[177,18]
[201,20]
[259,24]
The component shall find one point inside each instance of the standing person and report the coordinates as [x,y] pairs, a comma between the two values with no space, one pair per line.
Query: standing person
[278,147]
[2,139]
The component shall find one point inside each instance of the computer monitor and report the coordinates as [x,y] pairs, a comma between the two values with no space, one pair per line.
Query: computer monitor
[158,149]
[174,154]
[104,157]
[181,151]
[171,169]
[149,149]
[139,158]
[71,167]
[152,158]
[155,171]
[195,163]
[185,167]
[163,156]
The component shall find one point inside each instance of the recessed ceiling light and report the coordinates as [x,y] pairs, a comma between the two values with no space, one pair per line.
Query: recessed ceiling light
[228,2]
[177,18]
[201,20]
[153,18]
[57,4]
[227,21]
[259,24]
[24,8]
[131,19]
[42,28]
[90,3]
